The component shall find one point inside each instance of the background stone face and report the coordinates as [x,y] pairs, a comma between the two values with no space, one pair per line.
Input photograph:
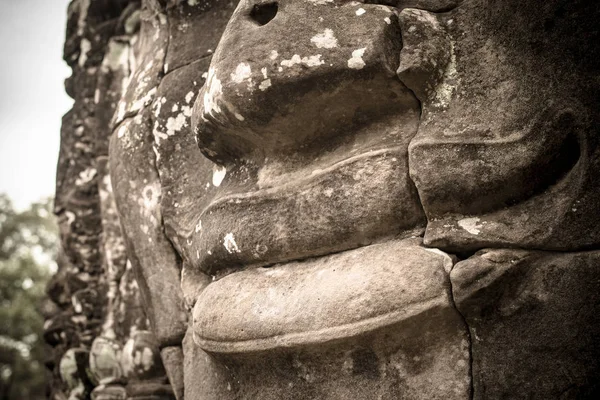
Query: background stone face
[325,199]
[98,331]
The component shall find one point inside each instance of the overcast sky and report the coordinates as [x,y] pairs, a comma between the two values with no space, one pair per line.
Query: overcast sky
[32,96]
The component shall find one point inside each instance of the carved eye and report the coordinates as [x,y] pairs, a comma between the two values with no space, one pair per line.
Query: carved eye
[264,13]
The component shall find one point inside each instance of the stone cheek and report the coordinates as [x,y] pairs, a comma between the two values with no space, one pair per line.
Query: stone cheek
[511,147]
[534,322]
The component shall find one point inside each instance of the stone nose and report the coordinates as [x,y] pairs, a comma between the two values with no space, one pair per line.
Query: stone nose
[286,74]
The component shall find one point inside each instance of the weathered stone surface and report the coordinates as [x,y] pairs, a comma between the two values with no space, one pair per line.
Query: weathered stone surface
[172,358]
[426,52]
[138,192]
[204,377]
[291,187]
[184,172]
[506,153]
[149,53]
[291,179]
[320,300]
[98,305]
[334,332]
[534,322]
[72,368]
[105,361]
[195,28]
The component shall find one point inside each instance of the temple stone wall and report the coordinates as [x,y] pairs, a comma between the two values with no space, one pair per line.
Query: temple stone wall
[329,199]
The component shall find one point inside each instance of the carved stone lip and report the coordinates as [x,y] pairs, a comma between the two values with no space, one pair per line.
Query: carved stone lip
[355,202]
[320,300]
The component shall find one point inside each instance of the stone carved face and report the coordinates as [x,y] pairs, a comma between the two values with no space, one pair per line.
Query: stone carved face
[333,136]
[311,137]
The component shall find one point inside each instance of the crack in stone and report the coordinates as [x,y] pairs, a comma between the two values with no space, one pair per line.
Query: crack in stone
[470,338]
[201,58]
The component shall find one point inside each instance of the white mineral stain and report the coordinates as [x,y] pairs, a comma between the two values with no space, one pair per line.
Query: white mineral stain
[158,135]
[187,111]
[155,149]
[320,2]
[189,97]
[144,101]
[147,359]
[175,108]
[199,226]
[387,20]
[325,40]
[239,116]
[192,2]
[242,72]
[86,176]
[157,107]
[230,244]
[311,61]
[117,57]
[218,175]
[85,46]
[148,66]
[470,225]
[213,90]
[121,132]
[70,217]
[296,59]
[84,6]
[151,196]
[443,93]
[76,305]
[274,54]
[356,62]
[264,72]
[174,125]
[360,11]
[264,85]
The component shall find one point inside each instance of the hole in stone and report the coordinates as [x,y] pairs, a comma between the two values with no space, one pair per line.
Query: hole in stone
[264,13]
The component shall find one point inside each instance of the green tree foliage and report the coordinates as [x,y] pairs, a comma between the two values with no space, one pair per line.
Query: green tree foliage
[28,245]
